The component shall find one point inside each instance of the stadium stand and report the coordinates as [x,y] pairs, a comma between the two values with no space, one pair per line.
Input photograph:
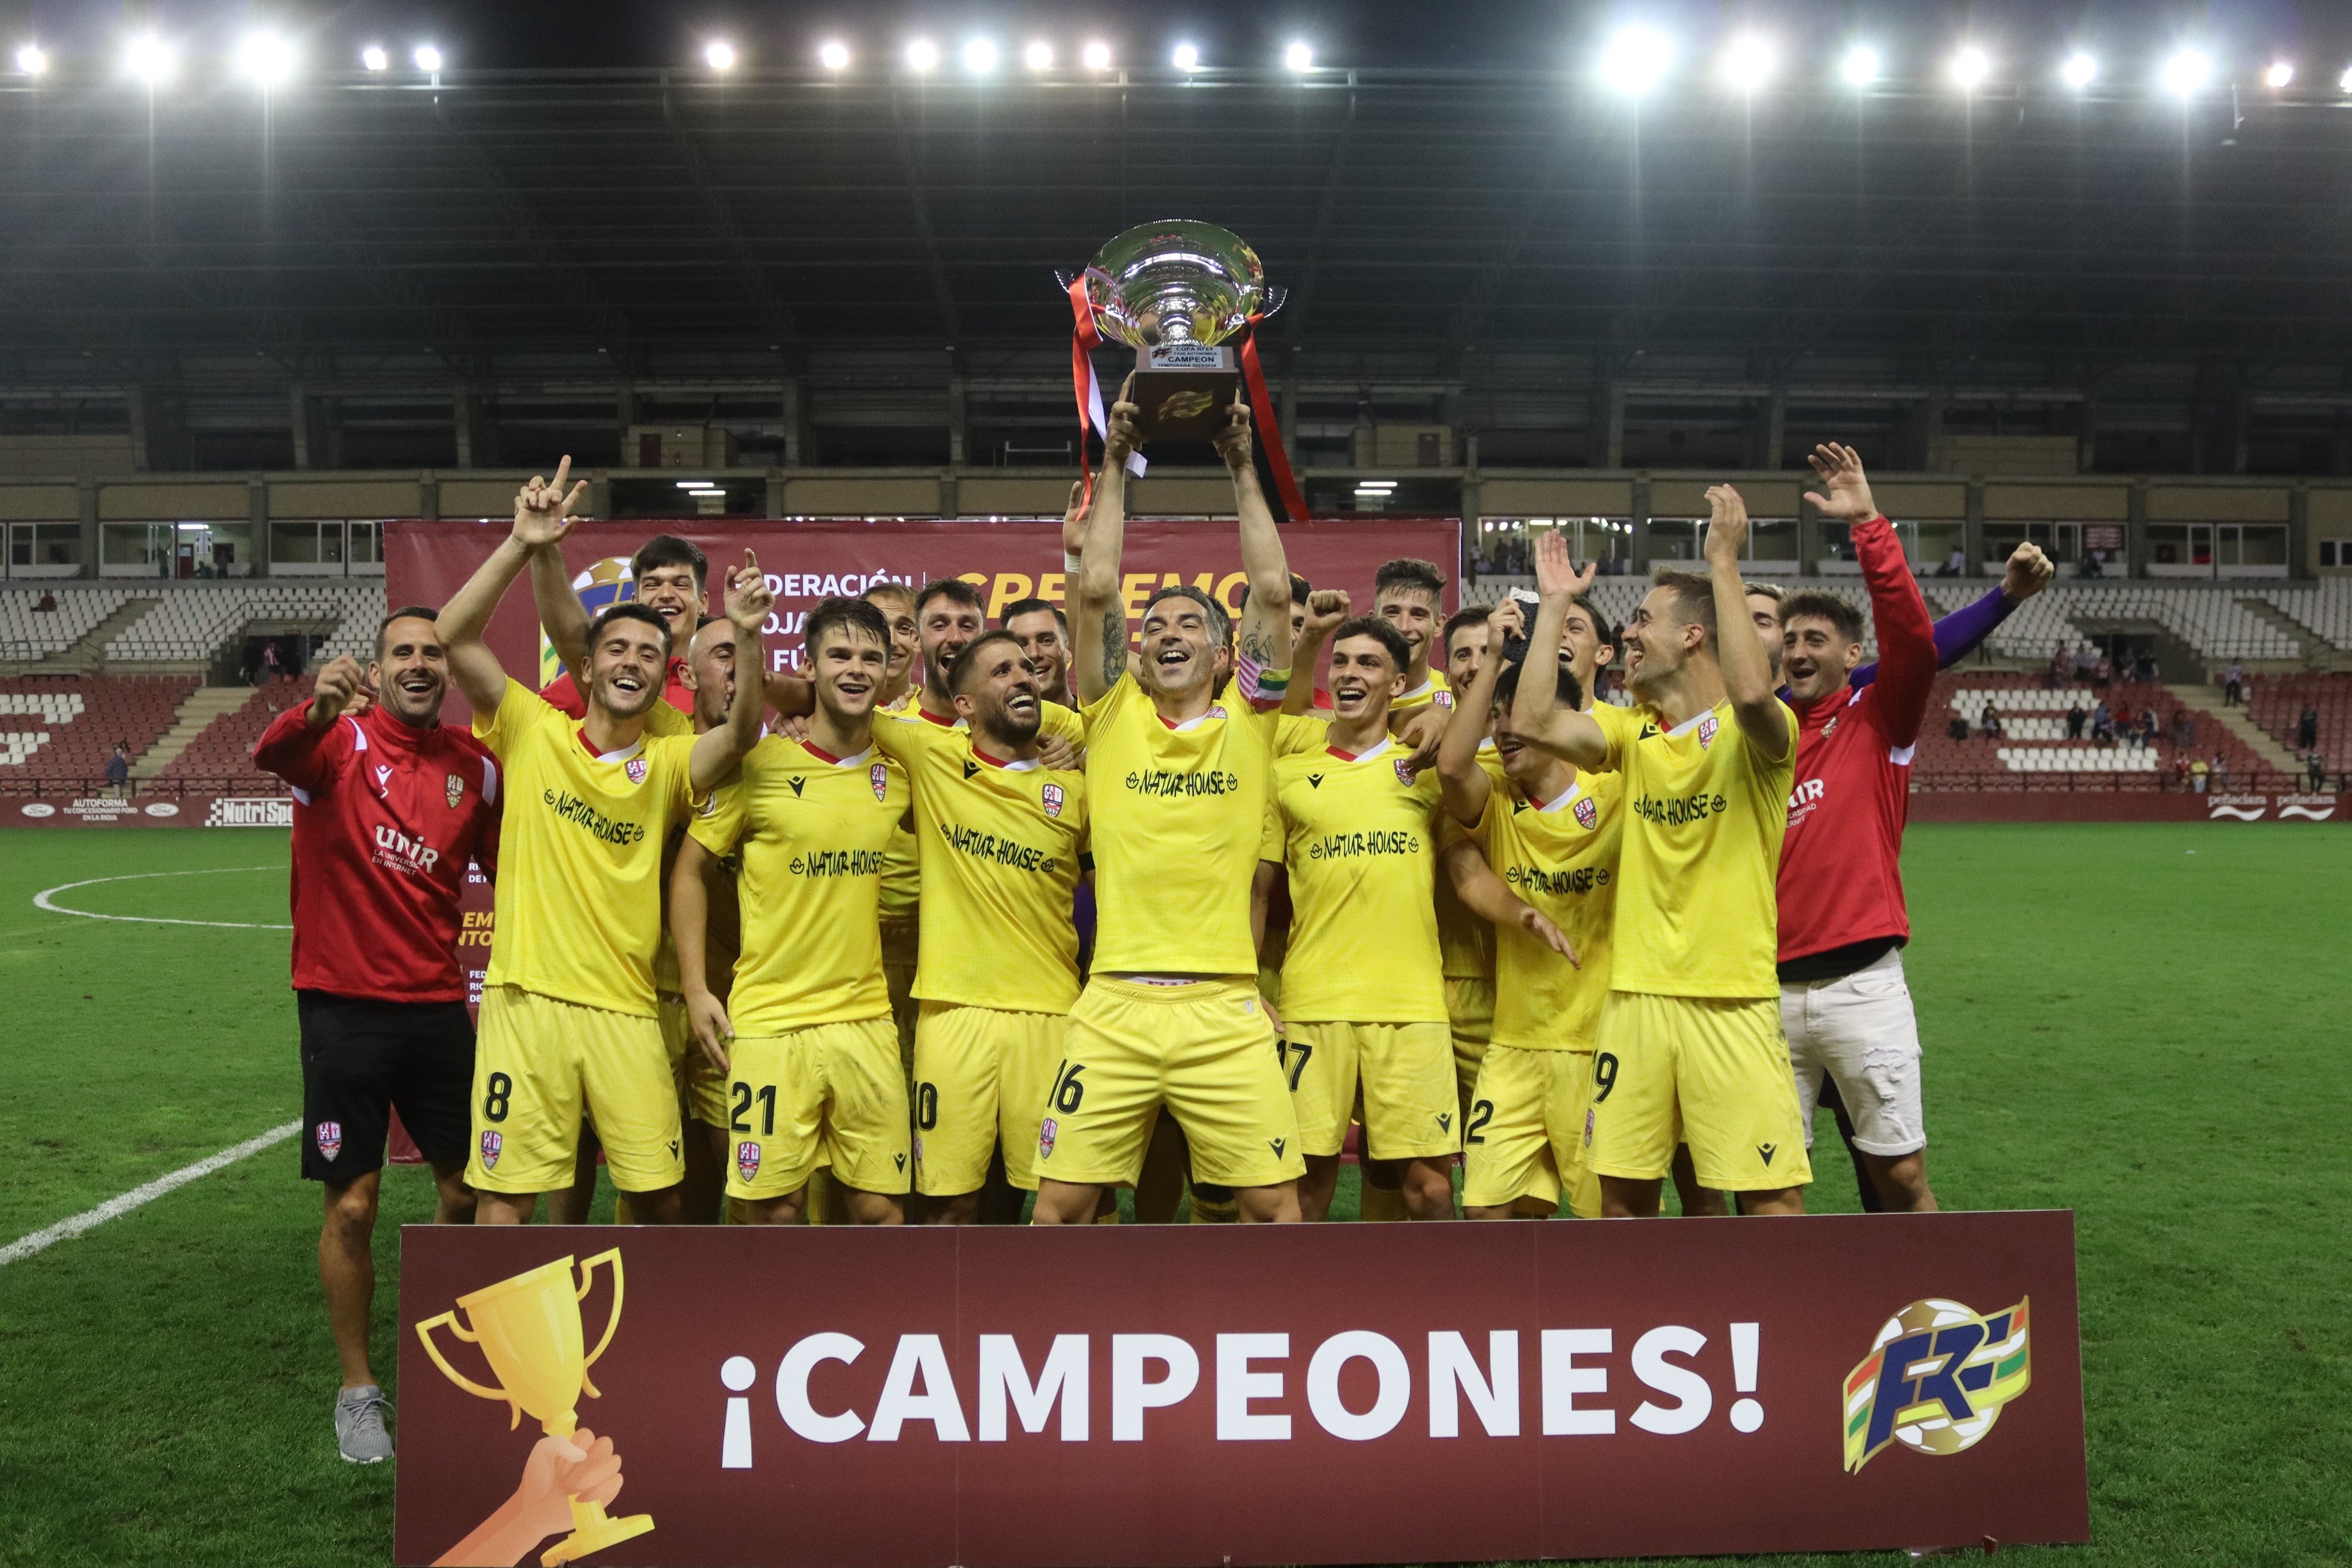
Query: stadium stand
[193,621]
[63,727]
[2277,703]
[2033,750]
[2324,608]
[27,633]
[224,751]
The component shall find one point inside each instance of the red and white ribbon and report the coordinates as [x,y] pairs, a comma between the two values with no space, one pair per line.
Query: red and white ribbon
[1084,341]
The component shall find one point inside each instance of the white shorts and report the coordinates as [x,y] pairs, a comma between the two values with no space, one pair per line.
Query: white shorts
[1860,1030]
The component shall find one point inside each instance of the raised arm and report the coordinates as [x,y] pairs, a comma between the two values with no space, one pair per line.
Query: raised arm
[1537,713]
[716,752]
[1325,608]
[561,614]
[543,516]
[1747,672]
[1097,611]
[1462,784]
[1265,636]
[1906,638]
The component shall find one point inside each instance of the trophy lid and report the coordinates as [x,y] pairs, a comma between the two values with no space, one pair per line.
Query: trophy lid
[1175,281]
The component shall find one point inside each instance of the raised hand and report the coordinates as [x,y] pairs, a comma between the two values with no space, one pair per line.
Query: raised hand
[749,598]
[1126,432]
[1554,574]
[1074,520]
[1726,530]
[1235,442]
[1849,492]
[543,510]
[1325,608]
[2029,574]
[337,685]
[1507,619]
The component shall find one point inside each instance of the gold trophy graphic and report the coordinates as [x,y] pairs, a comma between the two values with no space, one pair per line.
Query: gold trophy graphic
[529,1329]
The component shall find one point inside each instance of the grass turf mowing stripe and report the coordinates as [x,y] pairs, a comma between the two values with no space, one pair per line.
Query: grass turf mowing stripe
[89,1220]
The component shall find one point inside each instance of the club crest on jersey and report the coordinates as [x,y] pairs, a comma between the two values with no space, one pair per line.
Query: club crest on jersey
[1936,1379]
[491,1144]
[1051,797]
[636,767]
[329,1135]
[1217,710]
[879,775]
[1047,1129]
[1706,729]
[746,1160]
[454,788]
[1587,813]
[1829,728]
[1444,700]
[1403,772]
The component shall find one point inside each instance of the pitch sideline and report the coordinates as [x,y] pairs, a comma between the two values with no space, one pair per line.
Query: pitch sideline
[44,900]
[89,1220]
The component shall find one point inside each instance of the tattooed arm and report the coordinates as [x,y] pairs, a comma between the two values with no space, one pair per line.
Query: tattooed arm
[1098,611]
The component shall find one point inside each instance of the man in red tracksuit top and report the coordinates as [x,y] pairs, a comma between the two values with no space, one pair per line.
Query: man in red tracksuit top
[1845,1004]
[390,807]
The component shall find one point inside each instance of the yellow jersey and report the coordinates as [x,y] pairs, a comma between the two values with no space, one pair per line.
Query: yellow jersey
[1435,689]
[580,859]
[901,889]
[1360,842]
[1465,942]
[1000,845]
[812,832]
[1704,815]
[1561,857]
[1179,812]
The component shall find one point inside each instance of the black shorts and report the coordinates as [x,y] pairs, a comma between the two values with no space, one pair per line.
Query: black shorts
[361,1059]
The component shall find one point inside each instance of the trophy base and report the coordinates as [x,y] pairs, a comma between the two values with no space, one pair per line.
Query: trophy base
[594,1531]
[1183,391]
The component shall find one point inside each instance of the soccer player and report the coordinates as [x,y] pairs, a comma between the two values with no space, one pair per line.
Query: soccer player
[897,602]
[666,576]
[1001,837]
[570,1022]
[1177,782]
[1466,941]
[1406,594]
[1690,1032]
[1043,632]
[812,1054]
[1552,832]
[389,809]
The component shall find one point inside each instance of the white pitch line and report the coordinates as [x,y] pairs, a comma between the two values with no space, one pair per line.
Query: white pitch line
[42,900]
[67,1229]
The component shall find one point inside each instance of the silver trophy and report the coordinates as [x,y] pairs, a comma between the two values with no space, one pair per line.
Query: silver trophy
[1179,292]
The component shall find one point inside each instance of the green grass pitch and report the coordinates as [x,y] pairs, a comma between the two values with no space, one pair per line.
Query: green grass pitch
[2144,1023]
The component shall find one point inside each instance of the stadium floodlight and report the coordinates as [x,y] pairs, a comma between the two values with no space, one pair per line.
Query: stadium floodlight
[2186,72]
[428,58]
[2281,74]
[2344,82]
[32,59]
[265,60]
[2079,71]
[1747,63]
[1971,68]
[374,58]
[1095,56]
[719,54]
[1635,60]
[1298,55]
[1186,57]
[148,58]
[1860,67]
[980,56]
[832,55]
[694,484]
[1038,55]
[923,55]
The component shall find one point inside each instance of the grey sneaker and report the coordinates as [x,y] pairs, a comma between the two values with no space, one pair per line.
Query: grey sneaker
[359,1425]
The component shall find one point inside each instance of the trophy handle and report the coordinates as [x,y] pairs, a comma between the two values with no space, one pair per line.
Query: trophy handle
[449,1320]
[587,1269]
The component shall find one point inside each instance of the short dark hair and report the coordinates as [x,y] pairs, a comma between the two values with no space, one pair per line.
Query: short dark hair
[1221,625]
[1390,640]
[668,549]
[1405,572]
[954,588]
[857,615]
[965,664]
[407,612]
[1299,589]
[1694,596]
[1468,615]
[1031,607]
[629,610]
[1599,621]
[1506,686]
[1827,607]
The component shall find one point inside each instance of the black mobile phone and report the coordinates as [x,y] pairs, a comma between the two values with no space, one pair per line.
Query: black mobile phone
[1515,649]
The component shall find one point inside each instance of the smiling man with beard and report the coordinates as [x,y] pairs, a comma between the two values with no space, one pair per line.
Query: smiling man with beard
[1001,836]
[389,808]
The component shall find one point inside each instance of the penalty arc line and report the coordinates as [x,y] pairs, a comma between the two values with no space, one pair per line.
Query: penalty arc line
[44,899]
[89,1220]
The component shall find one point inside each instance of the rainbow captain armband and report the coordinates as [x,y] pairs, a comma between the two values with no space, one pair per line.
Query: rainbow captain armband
[1259,686]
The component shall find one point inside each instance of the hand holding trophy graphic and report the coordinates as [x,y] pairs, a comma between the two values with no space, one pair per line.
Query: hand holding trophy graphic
[529,1329]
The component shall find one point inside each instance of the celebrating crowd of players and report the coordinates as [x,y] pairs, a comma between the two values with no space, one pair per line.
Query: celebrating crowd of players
[951,914]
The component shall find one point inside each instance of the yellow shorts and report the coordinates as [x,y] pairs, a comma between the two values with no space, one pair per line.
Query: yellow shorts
[1399,1075]
[1205,1051]
[701,1088]
[898,954]
[1470,1011]
[539,1065]
[831,1093]
[1524,1137]
[1720,1067]
[980,1078]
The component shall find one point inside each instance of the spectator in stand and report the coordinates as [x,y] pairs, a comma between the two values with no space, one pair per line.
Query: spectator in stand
[2184,728]
[2234,684]
[2104,672]
[2126,727]
[1956,563]
[2102,725]
[2306,729]
[118,771]
[2094,564]
[1988,721]
[2076,719]
[2180,771]
[2197,772]
[269,660]
[2058,666]
[2144,670]
[2316,772]
[2220,771]
[2147,726]
[1958,728]
[2085,661]
[48,603]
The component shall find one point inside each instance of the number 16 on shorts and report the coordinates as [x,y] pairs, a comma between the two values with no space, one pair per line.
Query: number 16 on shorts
[1069,1092]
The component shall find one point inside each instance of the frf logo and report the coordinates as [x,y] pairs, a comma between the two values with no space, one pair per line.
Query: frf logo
[1936,1380]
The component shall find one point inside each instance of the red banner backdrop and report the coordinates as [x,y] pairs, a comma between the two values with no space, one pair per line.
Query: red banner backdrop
[1198,1395]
